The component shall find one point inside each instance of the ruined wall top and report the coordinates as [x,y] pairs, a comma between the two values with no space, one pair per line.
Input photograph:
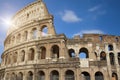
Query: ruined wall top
[32,12]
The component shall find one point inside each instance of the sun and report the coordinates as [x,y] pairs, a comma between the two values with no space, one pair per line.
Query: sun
[6,22]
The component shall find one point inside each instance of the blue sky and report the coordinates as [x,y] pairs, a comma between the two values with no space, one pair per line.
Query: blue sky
[71,17]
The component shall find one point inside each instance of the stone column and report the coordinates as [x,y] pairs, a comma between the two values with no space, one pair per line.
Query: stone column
[108,61]
[61,74]
[92,77]
[38,32]
[47,77]
[36,54]
[62,49]
[26,54]
[29,35]
[48,53]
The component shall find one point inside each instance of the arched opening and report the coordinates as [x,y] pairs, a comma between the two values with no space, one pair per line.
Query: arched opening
[110,47]
[114,76]
[83,53]
[111,55]
[42,53]
[44,31]
[54,75]
[100,38]
[15,57]
[20,76]
[69,75]
[117,39]
[102,55]
[85,76]
[22,56]
[99,76]
[55,51]
[34,33]
[71,53]
[41,75]
[119,58]
[31,54]
[13,40]
[30,76]
[13,76]
[25,35]
[18,37]
[7,76]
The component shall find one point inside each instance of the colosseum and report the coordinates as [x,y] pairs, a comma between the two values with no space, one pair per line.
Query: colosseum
[34,51]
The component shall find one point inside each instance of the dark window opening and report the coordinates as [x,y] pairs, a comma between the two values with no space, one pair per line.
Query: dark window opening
[119,58]
[85,76]
[102,56]
[30,76]
[71,53]
[111,55]
[55,51]
[83,53]
[69,75]
[114,76]
[110,47]
[43,52]
[20,76]
[31,54]
[100,38]
[117,39]
[54,75]
[99,76]
[41,75]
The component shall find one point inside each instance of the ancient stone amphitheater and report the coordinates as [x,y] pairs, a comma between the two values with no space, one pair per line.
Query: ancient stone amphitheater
[33,51]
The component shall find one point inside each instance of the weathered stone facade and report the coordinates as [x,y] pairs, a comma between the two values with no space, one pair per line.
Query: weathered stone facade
[32,54]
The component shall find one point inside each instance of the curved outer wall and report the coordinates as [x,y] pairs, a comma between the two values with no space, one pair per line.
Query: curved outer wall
[32,54]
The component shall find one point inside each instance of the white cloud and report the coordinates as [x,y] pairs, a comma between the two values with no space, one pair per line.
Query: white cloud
[70,16]
[95,8]
[89,32]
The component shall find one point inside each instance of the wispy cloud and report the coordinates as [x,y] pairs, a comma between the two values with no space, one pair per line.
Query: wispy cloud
[95,8]
[70,16]
[89,32]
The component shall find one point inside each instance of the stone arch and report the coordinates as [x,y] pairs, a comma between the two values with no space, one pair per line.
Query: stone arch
[31,54]
[83,53]
[102,55]
[69,75]
[99,76]
[71,53]
[41,75]
[34,33]
[44,30]
[112,58]
[54,75]
[20,76]
[110,47]
[13,76]
[114,76]
[85,76]
[22,56]
[55,51]
[42,54]
[30,75]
